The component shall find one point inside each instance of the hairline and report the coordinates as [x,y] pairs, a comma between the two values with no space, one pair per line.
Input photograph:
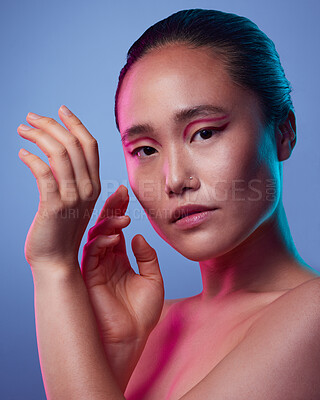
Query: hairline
[219,51]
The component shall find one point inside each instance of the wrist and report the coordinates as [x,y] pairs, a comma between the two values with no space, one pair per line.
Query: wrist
[55,272]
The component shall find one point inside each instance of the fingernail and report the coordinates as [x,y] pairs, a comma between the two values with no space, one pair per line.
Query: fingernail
[33,115]
[24,127]
[66,110]
[113,236]
[24,152]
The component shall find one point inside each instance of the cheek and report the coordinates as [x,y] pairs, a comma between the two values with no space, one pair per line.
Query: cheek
[146,188]
[145,184]
[255,186]
[242,175]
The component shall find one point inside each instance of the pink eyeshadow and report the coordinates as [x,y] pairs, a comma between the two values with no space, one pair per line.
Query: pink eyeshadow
[203,120]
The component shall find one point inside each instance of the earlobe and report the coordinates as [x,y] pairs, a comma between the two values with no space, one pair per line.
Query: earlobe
[286,136]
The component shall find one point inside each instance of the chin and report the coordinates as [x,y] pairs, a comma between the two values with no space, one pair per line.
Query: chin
[203,244]
[197,246]
[196,251]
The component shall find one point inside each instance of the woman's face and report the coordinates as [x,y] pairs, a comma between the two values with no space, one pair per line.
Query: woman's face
[181,116]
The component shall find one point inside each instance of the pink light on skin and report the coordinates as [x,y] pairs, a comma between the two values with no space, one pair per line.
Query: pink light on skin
[132,142]
[206,120]
[185,131]
[171,338]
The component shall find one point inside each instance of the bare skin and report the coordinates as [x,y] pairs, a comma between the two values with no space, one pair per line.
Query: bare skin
[254,329]
[246,243]
[188,345]
[246,267]
[105,311]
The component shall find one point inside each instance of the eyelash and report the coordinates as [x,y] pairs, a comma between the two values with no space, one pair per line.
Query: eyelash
[215,130]
[135,152]
[138,149]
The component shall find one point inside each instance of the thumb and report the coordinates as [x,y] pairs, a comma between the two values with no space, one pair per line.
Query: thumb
[146,258]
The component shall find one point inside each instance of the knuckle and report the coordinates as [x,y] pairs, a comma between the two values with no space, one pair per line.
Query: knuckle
[61,152]
[73,141]
[92,142]
[43,172]
[69,193]
[50,121]
[88,191]
[76,121]
[153,257]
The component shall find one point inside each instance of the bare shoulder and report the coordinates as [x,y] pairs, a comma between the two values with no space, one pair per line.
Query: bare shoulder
[302,303]
[309,292]
[278,358]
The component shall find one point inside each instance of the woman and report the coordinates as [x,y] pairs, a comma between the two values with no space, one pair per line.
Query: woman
[206,120]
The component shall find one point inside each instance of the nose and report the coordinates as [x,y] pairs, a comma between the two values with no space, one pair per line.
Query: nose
[180,176]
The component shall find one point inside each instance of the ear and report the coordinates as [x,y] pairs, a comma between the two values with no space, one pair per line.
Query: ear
[286,136]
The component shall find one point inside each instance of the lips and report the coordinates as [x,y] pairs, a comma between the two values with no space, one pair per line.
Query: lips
[186,210]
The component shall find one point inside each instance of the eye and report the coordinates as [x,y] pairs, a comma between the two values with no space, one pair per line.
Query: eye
[143,151]
[204,134]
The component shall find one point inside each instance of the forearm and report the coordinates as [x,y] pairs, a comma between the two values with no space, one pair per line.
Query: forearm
[72,357]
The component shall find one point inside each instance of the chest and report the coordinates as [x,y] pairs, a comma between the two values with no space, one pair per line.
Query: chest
[178,357]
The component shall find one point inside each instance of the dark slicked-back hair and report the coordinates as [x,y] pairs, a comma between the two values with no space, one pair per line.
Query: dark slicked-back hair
[250,56]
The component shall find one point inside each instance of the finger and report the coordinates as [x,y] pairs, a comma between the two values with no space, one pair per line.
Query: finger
[122,208]
[146,258]
[58,159]
[112,225]
[88,142]
[116,204]
[108,226]
[74,148]
[94,250]
[43,174]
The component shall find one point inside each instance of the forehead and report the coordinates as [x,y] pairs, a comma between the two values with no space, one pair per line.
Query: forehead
[174,78]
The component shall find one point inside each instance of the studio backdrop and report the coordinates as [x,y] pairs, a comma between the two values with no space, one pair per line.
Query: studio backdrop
[71,52]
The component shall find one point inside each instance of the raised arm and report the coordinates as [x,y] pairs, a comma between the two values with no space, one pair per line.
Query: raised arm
[72,358]
[73,361]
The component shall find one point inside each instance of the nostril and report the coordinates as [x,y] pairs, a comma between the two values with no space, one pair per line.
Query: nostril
[178,189]
[179,177]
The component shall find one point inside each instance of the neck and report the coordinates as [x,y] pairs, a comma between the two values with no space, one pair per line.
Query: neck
[265,261]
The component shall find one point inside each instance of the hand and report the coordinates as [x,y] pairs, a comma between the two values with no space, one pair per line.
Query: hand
[127,305]
[68,188]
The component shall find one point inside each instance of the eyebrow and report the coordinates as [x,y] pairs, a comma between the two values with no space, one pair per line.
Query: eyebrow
[181,116]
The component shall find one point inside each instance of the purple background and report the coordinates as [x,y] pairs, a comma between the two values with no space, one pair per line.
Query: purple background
[70,52]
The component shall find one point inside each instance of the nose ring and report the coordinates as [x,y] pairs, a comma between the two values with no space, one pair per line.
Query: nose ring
[190,177]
